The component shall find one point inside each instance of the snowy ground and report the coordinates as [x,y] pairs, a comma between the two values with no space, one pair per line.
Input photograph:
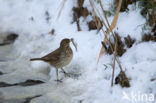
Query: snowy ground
[93,85]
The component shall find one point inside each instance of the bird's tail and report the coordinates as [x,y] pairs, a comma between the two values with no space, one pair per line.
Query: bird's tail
[36,59]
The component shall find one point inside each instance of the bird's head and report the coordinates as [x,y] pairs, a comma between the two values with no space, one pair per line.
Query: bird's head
[66,43]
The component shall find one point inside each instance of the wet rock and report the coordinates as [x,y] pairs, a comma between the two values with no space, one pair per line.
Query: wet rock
[9,39]
[28,100]
[30,82]
[26,83]
[1,73]
[153,79]
[23,100]
[3,84]
[12,101]
[1,96]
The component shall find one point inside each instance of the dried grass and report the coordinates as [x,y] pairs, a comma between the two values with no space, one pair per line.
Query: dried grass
[111,27]
[62,6]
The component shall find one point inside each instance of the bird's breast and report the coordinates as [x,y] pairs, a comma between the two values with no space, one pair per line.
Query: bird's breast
[65,58]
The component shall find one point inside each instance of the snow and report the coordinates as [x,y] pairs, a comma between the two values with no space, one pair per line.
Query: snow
[94,83]
[134,24]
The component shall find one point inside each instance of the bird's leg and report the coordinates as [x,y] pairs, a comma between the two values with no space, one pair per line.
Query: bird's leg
[66,74]
[69,74]
[57,76]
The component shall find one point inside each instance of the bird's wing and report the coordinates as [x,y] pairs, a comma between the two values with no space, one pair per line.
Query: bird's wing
[55,55]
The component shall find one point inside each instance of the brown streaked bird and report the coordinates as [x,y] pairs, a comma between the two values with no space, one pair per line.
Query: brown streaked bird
[60,57]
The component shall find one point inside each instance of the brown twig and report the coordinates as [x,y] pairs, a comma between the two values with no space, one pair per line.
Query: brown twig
[77,22]
[105,33]
[111,27]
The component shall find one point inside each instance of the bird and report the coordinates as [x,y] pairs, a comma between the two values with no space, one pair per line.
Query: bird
[60,57]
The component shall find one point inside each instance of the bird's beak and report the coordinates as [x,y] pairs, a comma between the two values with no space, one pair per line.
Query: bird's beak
[73,42]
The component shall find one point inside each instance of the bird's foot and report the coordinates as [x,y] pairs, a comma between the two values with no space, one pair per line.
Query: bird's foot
[66,74]
[59,80]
